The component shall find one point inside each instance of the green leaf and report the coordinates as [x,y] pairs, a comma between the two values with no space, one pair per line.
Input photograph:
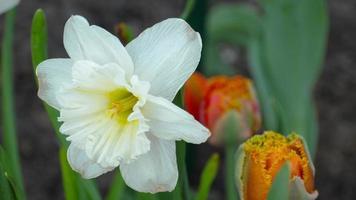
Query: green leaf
[5,189]
[280,187]
[8,187]
[208,176]
[294,45]
[146,196]
[233,24]
[7,97]
[68,177]
[117,188]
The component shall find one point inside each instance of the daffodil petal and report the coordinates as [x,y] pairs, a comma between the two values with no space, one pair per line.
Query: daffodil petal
[81,163]
[166,55]
[90,76]
[155,171]
[168,121]
[6,5]
[52,75]
[85,42]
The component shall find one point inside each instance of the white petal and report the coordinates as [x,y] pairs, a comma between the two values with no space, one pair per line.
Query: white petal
[84,42]
[105,140]
[167,121]
[155,171]
[6,5]
[166,55]
[52,74]
[90,76]
[116,144]
[80,163]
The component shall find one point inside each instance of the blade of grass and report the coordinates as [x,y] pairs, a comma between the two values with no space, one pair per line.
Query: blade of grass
[86,188]
[206,180]
[8,110]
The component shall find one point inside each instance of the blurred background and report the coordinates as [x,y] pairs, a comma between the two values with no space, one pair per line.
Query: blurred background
[335,99]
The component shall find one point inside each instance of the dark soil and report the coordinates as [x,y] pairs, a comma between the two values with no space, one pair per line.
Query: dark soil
[335,92]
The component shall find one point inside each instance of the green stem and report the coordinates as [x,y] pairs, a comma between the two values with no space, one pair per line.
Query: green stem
[117,187]
[189,5]
[182,191]
[8,111]
[230,187]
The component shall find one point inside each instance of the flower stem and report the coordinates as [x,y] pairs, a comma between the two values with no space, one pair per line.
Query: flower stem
[230,188]
[189,5]
[8,110]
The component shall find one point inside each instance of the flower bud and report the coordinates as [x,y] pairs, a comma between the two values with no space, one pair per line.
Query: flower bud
[260,159]
[221,101]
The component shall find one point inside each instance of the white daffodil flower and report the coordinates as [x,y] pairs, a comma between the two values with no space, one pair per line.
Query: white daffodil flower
[115,101]
[6,5]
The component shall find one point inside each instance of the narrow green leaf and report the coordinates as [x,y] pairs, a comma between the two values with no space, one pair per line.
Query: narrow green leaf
[146,196]
[280,186]
[39,53]
[5,190]
[117,187]
[7,97]
[68,177]
[182,191]
[86,189]
[208,176]
[189,5]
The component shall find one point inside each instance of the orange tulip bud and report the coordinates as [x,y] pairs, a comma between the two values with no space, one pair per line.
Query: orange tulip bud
[216,100]
[260,159]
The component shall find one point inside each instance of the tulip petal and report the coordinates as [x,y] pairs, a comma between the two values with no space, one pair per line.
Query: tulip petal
[167,121]
[166,55]
[81,163]
[297,190]
[6,5]
[155,171]
[194,90]
[52,75]
[85,42]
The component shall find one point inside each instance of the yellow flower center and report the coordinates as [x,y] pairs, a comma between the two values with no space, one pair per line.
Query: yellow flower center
[121,103]
[265,155]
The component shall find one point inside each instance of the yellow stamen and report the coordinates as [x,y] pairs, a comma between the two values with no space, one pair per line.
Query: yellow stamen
[121,103]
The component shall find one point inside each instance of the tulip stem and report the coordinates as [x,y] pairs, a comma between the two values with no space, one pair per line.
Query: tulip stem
[230,188]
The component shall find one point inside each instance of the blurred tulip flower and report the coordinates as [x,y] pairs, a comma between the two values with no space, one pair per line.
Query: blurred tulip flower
[222,101]
[115,102]
[6,5]
[260,159]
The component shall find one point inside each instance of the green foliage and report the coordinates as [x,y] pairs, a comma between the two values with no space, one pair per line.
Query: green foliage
[8,110]
[207,177]
[280,187]
[117,188]
[285,42]
[9,190]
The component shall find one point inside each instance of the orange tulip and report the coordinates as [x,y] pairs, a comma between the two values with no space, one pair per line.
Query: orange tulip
[213,101]
[260,159]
